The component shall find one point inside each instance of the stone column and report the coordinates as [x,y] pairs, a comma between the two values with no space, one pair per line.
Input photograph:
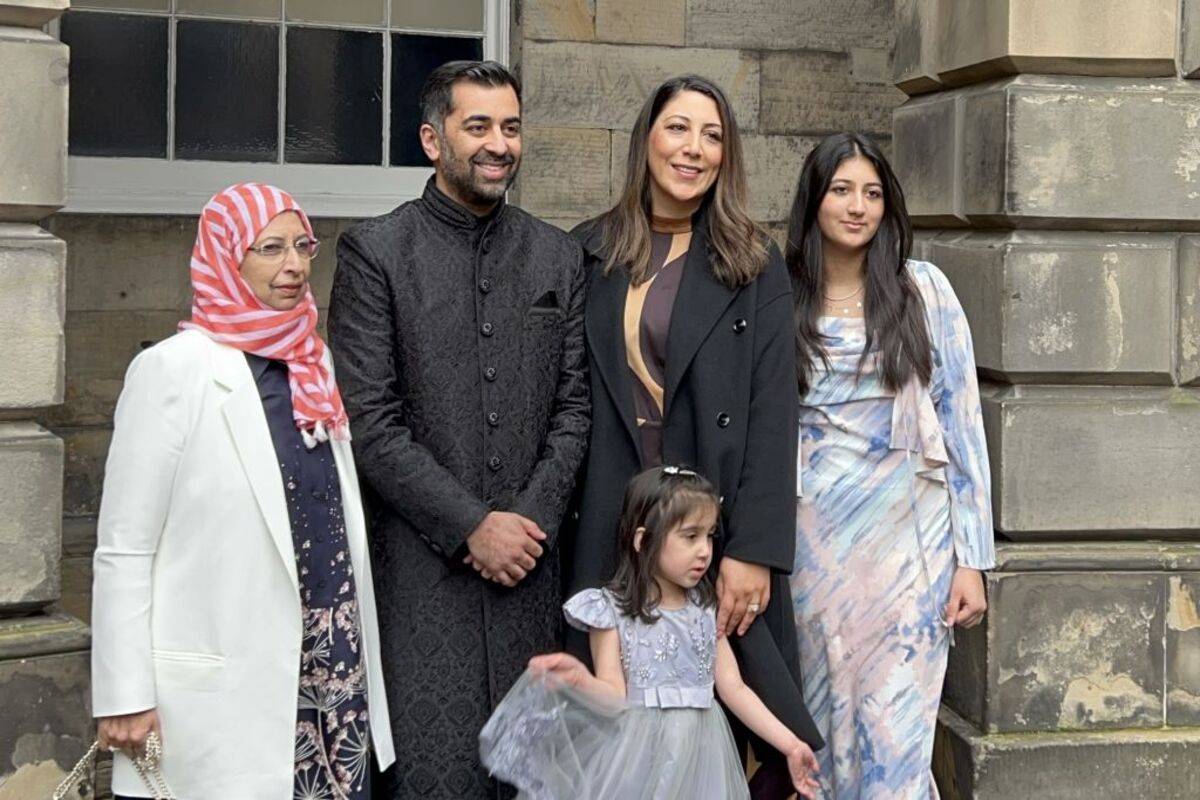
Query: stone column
[1051,155]
[46,721]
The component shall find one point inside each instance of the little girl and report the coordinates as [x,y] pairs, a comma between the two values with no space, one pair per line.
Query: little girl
[645,726]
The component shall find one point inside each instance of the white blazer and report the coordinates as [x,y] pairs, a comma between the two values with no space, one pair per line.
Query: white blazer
[196,603]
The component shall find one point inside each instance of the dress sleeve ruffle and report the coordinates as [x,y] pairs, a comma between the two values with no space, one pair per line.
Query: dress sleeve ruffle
[591,609]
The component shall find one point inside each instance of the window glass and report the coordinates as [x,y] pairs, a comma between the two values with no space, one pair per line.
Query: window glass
[453,15]
[347,12]
[266,9]
[413,58]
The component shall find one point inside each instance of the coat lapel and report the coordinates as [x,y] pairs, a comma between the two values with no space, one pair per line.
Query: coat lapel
[700,302]
[605,324]
[247,423]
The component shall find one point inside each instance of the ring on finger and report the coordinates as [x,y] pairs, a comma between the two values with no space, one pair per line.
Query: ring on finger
[753,608]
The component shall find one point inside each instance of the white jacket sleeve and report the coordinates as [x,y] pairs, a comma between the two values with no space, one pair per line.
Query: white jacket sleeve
[149,433]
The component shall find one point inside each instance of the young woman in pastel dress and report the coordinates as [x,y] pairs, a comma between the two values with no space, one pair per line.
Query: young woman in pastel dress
[645,726]
[894,522]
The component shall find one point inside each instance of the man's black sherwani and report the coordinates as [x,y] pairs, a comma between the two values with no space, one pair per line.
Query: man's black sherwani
[458,346]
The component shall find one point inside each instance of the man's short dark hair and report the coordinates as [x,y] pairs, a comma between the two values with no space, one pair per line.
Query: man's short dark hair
[437,99]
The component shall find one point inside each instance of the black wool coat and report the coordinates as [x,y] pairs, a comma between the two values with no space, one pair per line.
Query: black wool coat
[731,413]
[458,345]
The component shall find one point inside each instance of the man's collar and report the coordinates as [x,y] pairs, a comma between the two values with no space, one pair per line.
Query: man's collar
[454,213]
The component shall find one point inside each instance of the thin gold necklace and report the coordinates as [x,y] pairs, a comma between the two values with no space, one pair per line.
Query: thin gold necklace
[832,301]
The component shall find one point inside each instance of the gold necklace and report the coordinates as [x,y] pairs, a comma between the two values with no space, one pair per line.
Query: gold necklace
[832,301]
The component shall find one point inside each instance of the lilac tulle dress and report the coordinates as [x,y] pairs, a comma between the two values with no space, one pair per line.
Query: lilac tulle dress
[668,740]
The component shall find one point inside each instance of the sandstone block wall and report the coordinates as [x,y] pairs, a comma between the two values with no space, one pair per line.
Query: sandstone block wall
[44,686]
[794,70]
[1050,153]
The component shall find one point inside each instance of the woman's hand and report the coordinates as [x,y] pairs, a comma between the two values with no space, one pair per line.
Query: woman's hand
[743,591]
[968,601]
[127,732]
[803,767]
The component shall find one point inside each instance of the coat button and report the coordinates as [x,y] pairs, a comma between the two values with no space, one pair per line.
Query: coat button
[490,373]
[722,420]
[486,329]
[485,285]
[494,463]
[493,418]
[739,325]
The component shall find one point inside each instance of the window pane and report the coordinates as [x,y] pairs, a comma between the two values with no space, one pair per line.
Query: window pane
[133,5]
[334,97]
[268,9]
[226,91]
[349,12]
[118,95]
[413,58]
[454,15]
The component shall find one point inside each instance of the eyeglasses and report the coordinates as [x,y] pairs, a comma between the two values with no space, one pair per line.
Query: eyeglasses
[305,248]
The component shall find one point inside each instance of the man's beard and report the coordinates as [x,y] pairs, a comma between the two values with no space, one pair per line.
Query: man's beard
[462,177]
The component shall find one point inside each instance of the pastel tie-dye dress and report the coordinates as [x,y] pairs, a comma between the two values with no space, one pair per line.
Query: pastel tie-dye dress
[894,494]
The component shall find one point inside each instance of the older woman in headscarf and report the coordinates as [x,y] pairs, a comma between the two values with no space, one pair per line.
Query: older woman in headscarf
[233,609]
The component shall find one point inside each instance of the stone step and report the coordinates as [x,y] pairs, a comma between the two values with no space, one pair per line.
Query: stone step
[45,691]
[1014,153]
[30,13]
[33,127]
[32,315]
[1084,636]
[1093,462]
[31,472]
[941,43]
[1071,306]
[1113,765]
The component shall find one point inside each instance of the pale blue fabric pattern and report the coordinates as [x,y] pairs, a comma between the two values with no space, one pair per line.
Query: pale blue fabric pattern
[895,494]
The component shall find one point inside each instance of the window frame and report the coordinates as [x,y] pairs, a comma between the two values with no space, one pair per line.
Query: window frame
[154,186]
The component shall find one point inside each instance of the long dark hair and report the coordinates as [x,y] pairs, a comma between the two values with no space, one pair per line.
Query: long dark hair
[894,311]
[656,501]
[736,243]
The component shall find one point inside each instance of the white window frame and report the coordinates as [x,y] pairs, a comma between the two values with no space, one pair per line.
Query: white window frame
[154,186]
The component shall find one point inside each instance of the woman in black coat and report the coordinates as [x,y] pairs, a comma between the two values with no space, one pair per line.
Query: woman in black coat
[691,349]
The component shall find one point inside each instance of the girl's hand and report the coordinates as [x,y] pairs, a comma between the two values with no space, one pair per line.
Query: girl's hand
[561,667]
[803,766]
[968,601]
[127,732]
[743,591]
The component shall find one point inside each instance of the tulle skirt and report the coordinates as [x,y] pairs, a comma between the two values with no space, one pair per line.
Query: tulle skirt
[553,742]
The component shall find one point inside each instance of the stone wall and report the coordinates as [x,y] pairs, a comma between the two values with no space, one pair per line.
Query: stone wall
[794,70]
[1052,157]
[46,723]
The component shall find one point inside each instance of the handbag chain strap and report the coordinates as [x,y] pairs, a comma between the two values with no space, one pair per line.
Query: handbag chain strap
[146,763]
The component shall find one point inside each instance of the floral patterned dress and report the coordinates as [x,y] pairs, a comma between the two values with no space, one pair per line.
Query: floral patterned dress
[895,494]
[332,732]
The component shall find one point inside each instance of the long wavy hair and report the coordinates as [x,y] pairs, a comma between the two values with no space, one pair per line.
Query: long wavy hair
[892,305]
[737,246]
[657,501]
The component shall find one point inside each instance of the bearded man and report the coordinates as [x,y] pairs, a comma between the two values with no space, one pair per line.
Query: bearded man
[457,326]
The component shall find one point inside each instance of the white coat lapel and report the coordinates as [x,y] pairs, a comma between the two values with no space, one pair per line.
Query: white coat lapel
[247,423]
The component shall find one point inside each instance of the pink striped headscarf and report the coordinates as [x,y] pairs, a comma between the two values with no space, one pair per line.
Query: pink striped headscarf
[226,309]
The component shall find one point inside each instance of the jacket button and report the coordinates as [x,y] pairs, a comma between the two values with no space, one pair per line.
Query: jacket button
[485,285]
[490,373]
[486,329]
[722,420]
[494,463]
[739,325]
[493,418]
